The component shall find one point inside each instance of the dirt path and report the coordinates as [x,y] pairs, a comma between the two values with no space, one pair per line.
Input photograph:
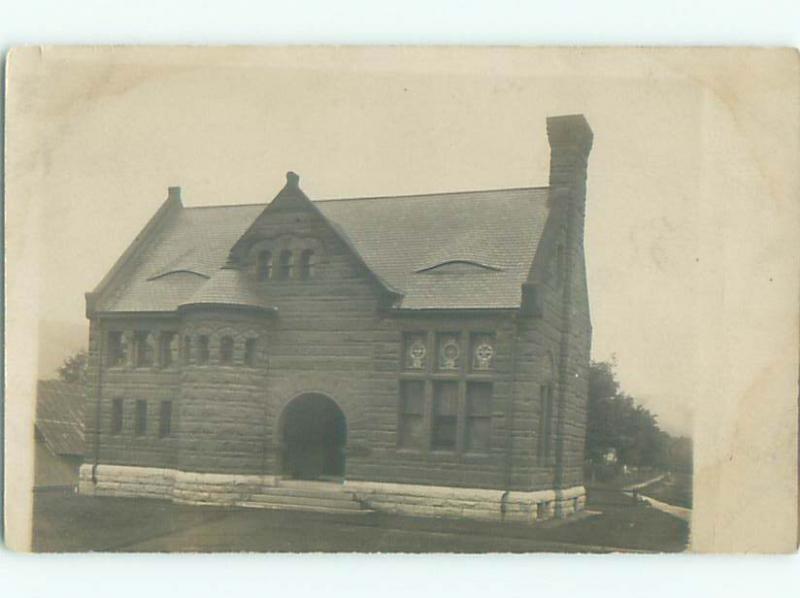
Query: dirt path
[674,510]
[681,512]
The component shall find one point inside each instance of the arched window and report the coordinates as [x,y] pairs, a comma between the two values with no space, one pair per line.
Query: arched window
[250,352]
[226,350]
[285,267]
[145,349]
[166,349]
[264,265]
[202,349]
[307,264]
[186,349]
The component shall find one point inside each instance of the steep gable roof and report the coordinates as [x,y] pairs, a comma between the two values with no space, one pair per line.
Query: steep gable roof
[461,250]
[179,258]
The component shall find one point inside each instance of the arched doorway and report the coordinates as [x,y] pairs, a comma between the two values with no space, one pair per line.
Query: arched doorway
[314,434]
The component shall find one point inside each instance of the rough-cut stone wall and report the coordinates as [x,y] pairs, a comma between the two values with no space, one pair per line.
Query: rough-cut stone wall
[536,367]
[129,384]
[324,337]
[571,141]
[424,464]
[223,407]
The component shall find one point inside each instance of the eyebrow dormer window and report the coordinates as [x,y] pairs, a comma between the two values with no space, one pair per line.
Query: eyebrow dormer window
[264,265]
[307,264]
[285,265]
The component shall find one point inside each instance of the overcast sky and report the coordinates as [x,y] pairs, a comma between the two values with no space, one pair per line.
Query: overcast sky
[110,130]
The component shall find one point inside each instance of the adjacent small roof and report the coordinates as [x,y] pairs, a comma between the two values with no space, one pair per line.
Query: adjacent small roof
[461,250]
[59,416]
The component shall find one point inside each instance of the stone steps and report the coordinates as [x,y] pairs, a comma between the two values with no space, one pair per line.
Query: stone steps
[307,508]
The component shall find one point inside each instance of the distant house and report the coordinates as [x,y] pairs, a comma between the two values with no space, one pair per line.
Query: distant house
[427,353]
[610,456]
[59,434]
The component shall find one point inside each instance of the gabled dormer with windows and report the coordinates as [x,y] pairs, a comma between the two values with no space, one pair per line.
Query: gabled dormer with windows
[292,242]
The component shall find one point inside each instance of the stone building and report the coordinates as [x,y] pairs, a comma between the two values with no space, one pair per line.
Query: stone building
[423,354]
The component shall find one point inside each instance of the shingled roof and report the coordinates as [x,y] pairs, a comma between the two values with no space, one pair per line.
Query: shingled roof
[59,416]
[459,250]
[415,243]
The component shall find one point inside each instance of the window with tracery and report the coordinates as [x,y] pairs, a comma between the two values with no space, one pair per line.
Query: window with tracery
[446,398]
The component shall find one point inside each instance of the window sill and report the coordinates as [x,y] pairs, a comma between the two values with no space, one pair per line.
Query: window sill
[477,456]
[409,451]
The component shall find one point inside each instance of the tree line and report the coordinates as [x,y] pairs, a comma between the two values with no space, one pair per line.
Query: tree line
[617,425]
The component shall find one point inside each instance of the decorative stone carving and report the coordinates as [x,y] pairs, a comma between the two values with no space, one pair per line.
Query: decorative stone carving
[415,353]
[483,353]
[449,353]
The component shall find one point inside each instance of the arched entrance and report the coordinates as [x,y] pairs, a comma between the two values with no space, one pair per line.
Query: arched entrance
[314,434]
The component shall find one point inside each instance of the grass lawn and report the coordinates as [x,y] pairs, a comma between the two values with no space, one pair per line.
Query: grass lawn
[64,522]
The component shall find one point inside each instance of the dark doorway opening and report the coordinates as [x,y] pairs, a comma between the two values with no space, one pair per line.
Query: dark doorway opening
[314,437]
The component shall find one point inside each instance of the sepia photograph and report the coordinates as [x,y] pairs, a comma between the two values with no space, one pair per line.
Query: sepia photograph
[403,299]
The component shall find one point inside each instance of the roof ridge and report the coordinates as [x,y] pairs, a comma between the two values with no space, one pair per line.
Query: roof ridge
[226,205]
[369,197]
[423,195]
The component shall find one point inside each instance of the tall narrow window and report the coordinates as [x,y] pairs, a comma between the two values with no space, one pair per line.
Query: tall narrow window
[412,411]
[116,416]
[186,349]
[545,423]
[226,350]
[165,349]
[285,266]
[202,349]
[165,419]
[445,415]
[479,416]
[250,352]
[264,265]
[307,264]
[117,348]
[140,427]
[145,349]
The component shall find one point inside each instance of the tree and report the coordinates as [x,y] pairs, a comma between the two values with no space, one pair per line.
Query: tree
[615,421]
[74,368]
